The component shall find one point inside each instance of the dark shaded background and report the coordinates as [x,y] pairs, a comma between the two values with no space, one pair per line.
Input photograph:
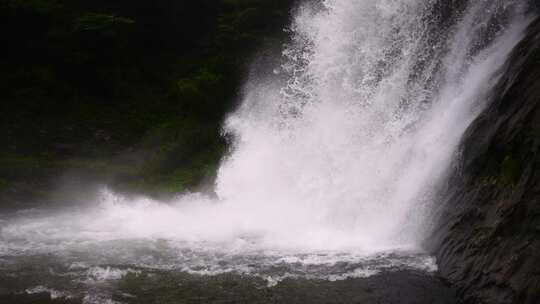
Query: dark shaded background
[129,91]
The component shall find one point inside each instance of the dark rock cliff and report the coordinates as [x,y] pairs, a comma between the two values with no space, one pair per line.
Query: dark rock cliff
[488,236]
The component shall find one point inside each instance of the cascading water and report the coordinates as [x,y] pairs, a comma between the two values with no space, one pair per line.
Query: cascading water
[336,155]
[346,152]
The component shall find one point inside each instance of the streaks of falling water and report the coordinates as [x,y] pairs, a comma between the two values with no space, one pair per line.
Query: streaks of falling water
[376,97]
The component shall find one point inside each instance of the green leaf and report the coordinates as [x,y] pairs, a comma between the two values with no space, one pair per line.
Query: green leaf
[97,22]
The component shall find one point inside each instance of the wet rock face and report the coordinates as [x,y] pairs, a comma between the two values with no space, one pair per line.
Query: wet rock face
[488,236]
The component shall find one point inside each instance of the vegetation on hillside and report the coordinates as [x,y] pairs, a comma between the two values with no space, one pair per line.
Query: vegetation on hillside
[131,90]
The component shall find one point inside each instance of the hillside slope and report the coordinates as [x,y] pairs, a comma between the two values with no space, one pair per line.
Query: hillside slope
[131,93]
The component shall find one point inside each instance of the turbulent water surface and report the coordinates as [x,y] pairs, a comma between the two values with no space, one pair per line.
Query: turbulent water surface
[336,158]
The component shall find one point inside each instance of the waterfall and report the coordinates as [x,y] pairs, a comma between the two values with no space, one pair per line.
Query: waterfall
[339,149]
[346,142]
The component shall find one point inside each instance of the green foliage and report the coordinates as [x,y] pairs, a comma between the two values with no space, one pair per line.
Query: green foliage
[85,83]
[248,21]
[510,171]
[39,6]
[197,88]
[93,22]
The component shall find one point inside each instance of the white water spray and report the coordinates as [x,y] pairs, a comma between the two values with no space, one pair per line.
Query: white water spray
[347,152]
[339,150]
